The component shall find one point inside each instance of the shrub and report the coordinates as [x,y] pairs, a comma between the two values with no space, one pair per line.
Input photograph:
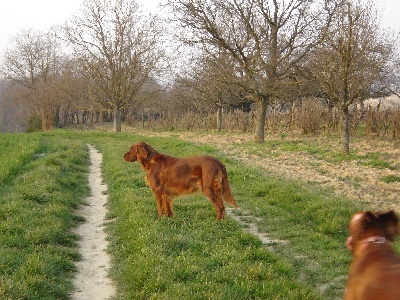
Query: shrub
[34,124]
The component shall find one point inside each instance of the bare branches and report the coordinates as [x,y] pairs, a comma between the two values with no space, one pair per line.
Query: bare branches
[267,39]
[34,63]
[356,56]
[117,48]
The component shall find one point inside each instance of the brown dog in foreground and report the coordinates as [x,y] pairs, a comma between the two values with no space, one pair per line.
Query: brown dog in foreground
[170,177]
[375,269]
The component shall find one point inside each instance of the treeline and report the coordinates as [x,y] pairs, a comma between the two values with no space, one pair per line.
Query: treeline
[245,65]
[306,117]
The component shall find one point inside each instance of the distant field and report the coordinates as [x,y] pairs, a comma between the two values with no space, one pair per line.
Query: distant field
[189,256]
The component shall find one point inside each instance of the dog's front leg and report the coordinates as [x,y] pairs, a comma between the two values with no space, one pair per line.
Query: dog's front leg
[159,201]
[167,204]
[159,206]
[164,203]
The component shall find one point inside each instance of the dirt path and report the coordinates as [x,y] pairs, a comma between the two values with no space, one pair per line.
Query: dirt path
[91,281]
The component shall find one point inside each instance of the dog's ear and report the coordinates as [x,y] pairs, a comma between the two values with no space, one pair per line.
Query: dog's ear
[145,149]
[390,222]
[368,219]
[134,148]
[142,151]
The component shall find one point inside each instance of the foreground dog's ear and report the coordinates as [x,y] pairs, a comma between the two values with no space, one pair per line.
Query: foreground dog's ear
[368,219]
[391,223]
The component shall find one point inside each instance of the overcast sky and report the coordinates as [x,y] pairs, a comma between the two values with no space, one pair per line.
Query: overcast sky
[16,15]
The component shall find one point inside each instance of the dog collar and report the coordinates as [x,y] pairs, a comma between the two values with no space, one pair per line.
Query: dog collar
[151,156]
[375,240]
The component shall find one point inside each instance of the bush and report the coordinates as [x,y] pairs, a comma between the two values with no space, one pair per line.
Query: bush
[34,124]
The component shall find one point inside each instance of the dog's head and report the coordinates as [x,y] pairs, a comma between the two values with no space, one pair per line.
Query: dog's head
[139,152]
[368,224]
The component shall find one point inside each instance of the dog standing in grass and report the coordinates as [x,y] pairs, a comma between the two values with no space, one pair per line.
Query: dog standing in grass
[375,269]
[170,177]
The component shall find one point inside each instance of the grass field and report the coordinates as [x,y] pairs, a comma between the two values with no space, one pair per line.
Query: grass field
[189,256]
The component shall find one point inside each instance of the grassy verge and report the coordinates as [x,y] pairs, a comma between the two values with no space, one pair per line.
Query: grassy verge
[16,150]
[37,250]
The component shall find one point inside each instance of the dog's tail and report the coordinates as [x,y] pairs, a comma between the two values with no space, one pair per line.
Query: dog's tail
[226,189]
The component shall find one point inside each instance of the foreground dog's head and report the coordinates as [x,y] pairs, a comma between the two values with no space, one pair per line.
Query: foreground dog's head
[139,152]
[366,225]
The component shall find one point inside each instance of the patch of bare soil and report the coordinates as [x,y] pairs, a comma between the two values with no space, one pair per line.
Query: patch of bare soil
[92,281]
[349,178]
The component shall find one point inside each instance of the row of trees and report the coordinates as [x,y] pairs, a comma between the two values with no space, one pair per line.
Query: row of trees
[283,50]
[267,52]
[100,59]
[306,117]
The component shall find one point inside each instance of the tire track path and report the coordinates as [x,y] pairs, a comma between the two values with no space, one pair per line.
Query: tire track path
[91,280]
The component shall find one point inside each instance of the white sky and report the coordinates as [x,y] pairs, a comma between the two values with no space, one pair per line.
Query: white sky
[16,15]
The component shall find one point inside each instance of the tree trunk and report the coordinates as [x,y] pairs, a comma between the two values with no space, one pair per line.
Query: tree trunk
[43,120]
[262,112]
[274,121]
[46,120]
[219,117]
[369,122]
[346,130]
[292,116]
[117,119]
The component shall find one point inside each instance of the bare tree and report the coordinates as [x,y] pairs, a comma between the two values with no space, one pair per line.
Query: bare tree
[210,84]
[352,63]
[267,39]
[77,97]
[34,63]
[117,49]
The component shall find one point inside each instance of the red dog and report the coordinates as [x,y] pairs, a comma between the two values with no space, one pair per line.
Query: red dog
[170,177]
[375,269]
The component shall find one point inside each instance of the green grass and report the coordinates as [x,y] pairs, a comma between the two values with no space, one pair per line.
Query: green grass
[390,178]
[191,255]
[16,150]
[37,249]
[188,256]
[314,223]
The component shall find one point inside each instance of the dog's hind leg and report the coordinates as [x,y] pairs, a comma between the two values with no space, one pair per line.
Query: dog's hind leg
[226,188]
[214,194]
[219,207]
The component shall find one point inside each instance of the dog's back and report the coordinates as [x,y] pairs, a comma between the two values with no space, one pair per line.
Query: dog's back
[375,269]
